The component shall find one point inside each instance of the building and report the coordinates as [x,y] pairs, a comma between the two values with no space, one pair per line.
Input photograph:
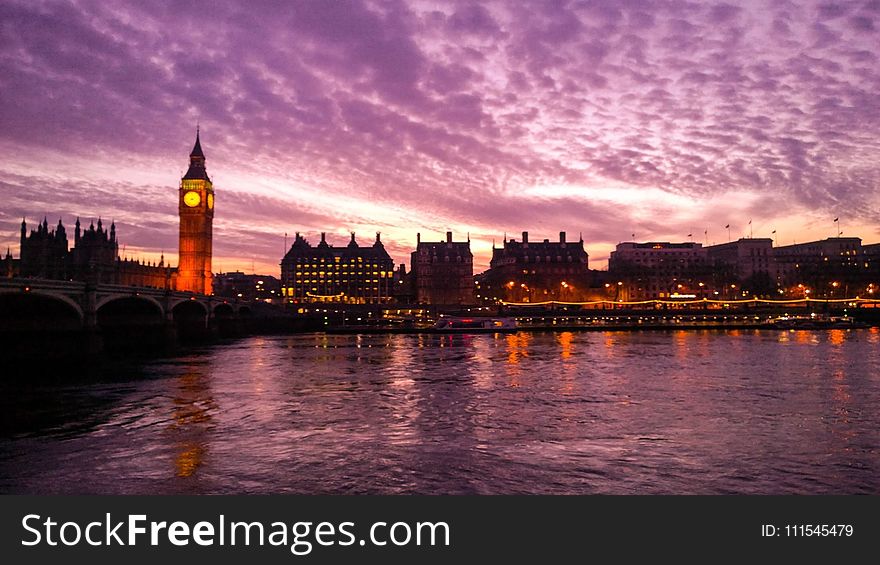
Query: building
[348,274]
[10,265]
[442,273]
[748,257]
[872,266]
[196,211]
[44,252]
[94,258]
[536,271]
[403,288]
[814,267]
[749,263]
[659,269]
[264,288]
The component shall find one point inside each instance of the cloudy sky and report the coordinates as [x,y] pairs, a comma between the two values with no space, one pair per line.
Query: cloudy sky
[608,118]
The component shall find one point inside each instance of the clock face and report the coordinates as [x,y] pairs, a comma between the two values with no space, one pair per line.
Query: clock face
[192,199]
[210,202]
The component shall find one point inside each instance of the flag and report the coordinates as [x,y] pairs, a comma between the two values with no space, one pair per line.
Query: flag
[750,222]
[836,219]
[774,231]
[690,235]
[727,226]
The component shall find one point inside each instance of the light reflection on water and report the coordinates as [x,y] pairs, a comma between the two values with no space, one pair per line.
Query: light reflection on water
[615,412]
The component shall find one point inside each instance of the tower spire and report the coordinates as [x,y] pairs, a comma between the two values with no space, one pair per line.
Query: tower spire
[196,170]
[197,148]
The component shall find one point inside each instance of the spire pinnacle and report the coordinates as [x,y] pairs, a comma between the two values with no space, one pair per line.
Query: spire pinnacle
[197,148]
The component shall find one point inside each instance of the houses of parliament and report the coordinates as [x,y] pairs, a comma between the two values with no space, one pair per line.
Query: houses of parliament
[94,257]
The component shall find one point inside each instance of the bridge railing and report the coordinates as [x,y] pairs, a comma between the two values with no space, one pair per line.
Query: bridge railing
[42,284]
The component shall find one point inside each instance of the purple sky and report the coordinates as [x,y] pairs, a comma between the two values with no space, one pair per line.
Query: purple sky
[652,118]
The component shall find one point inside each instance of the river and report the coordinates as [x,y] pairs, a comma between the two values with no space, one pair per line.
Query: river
[715,412]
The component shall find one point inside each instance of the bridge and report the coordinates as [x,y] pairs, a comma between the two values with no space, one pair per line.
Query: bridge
[40,317]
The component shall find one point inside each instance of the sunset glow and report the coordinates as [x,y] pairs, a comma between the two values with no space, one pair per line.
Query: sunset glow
[610,119]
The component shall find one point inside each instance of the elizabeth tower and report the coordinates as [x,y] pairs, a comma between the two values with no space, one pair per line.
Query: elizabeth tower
[196,209]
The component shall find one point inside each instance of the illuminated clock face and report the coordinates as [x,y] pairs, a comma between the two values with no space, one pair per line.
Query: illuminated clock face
[192,199]
[210,202]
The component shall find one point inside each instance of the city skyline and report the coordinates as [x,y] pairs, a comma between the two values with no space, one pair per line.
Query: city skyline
[653,119]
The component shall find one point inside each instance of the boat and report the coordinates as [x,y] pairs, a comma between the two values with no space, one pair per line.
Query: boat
[815,322]
[474,324]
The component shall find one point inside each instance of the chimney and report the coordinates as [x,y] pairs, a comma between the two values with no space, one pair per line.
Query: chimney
[562,237]
[525,237]
[449,237]
[418,238]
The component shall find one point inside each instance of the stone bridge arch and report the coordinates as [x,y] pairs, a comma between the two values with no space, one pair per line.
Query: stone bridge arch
[104,300]
[43,326]
[191,319]
[23,303]
[130,323]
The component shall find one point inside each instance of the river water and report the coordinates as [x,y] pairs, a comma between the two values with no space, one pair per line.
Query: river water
[574,413]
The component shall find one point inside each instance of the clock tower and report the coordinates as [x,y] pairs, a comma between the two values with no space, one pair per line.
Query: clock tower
[196,210]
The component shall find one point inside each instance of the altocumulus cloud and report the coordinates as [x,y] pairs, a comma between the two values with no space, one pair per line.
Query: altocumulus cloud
[413,116]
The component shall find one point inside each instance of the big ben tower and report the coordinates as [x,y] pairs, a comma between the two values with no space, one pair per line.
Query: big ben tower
[196,209]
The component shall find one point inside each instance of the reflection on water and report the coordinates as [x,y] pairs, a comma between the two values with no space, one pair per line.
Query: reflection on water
[193,406]
[745,411]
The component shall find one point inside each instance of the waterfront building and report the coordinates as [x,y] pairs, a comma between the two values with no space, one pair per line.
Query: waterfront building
[403,289]
[748,262]
[94,257]
[44,252]
[10,265]
[815,266]
[537,271]
[442,272]
[242,286]
[348,274]
[659,269]
[196,212]
[749,257]
[871,256]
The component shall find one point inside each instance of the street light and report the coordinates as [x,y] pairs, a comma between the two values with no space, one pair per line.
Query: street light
[526,288]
